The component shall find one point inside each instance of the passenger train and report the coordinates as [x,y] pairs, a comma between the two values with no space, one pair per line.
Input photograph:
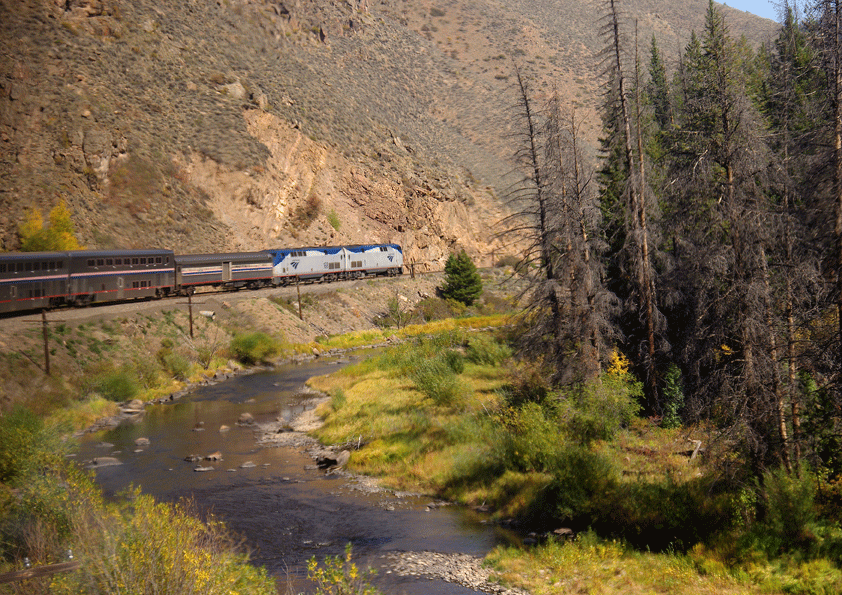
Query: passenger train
[39,280]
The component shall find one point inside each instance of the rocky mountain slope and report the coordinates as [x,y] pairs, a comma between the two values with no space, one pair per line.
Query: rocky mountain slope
[242,124]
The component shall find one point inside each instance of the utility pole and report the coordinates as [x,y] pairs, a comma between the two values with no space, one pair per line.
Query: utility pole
[45,331]
[46,342]
[298,288]
[190,310]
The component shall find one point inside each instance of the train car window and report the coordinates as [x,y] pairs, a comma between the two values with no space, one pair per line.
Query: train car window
[90,262]
[384,249]
[134,260]
[118,261]
[2,268]
[20,267]
[59,264]
[142,260]
[158,260]
[100,262]
[28,266]
[36,266]
[109,261]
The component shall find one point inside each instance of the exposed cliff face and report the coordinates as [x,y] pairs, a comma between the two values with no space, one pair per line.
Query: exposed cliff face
[267,205]
[245,124]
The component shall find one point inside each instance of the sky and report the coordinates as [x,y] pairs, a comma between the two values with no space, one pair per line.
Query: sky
[763,8]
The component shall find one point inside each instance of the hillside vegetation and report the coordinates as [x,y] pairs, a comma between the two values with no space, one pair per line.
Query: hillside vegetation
[245,124]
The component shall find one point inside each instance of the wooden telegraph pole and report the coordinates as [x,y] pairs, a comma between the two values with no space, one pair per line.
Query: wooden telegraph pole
[190,310]
[298,288]
[45,333]
[46,342]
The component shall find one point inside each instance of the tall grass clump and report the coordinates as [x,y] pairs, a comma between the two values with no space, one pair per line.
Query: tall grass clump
[437,377]
[433,363]
[484,349]
[144,546]
[113,384]
[33,494]
[254,348]
[48,505]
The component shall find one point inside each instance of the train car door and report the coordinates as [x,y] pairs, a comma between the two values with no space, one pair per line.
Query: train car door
[226,271]
[121,288]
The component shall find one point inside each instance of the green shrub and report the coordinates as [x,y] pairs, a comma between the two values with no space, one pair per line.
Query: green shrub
[148,372]
[340,576]
[33,495]
[113,385]
[254,348]
[598,409]
[528,386]
[333,219]
[788,511]
[579,491]
[25,445]
[673,398]
[527,439]
[176,365]
[433,308]
[484,349]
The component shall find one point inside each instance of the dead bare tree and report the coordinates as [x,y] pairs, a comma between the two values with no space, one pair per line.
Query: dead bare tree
[636,251]
[564,325]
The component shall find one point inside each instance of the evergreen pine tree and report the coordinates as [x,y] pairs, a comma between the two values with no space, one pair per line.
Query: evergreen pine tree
[461,279]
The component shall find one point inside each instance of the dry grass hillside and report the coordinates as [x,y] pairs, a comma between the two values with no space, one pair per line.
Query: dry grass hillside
[244,124]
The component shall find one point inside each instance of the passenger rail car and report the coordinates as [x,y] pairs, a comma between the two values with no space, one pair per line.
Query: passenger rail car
[231,270]
[31,280]
[120,274]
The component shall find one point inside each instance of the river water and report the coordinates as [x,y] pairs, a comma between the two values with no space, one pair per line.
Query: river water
[286,510]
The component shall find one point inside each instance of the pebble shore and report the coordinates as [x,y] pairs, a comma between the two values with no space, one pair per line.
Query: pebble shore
[461,569]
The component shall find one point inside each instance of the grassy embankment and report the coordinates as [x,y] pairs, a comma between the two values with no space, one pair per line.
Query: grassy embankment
[451,414]
[48,506]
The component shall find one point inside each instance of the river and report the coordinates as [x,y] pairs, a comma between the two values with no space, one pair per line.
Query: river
[285,508]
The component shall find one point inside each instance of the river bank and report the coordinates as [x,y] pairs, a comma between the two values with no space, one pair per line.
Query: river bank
[458,568]
[283,489]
